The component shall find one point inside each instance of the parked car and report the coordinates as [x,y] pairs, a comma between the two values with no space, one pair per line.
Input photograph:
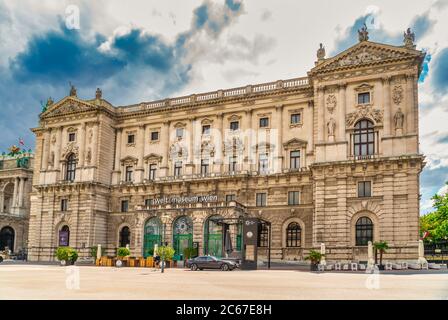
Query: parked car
[210,262]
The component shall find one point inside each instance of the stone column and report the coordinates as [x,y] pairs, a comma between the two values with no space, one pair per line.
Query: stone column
[14,195]
[21,188]
[2,201]
[165,140]
[82,144]
[410,104]
[279,156]
[320,114]
[386,103]
[57,152]
[190,165]
[117,169]
[45,149]
[140,170]
[249,133]
[95,144]
[342,111]
[218,143]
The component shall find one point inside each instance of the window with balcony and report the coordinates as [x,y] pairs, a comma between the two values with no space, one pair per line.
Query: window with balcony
[232,163]
[263,163]
[70,171]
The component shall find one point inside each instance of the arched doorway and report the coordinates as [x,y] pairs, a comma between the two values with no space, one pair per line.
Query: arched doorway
[7,235]
[152,236]
[8,192]
[213,237]
[182,235]
[125,236]
[64,236]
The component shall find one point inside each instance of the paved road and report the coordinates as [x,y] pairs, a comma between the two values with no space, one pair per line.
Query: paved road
[26,281]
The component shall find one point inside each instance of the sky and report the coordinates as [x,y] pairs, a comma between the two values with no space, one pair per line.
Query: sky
[144,50]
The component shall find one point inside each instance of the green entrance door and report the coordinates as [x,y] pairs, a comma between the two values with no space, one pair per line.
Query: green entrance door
[182,236]
[153,236]
[213,237]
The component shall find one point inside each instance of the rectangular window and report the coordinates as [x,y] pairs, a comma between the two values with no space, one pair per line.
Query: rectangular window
[264,122]
[124,205]
[230,197]
[177,168]
[363,97]
[232,163]
[152,171]
[148,202]
[294,158]
[364,189]
[128,176]
[263,165]
[71,137]
[206,130]
[154,136]
[293,198]
[64,204]
[261,200]
[234,125]
[131,138]
[295,118]
[204,166]
[179,132]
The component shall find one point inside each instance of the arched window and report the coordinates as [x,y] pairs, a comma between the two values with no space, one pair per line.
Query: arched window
[125,236]
[364,138]
[70,168]
[293,235]
[364,231]
[7,235]
[64,236]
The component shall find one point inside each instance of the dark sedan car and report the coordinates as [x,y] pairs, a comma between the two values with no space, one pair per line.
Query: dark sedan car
[210,262]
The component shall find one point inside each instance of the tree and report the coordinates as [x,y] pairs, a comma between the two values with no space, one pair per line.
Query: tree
[436,222]
[381,247]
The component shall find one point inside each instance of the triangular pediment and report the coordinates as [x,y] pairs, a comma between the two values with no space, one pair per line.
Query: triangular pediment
[367,53]
[295,142]
[68,105]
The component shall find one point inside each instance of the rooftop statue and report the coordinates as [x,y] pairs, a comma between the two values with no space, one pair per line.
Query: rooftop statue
[409,38]
[363,34]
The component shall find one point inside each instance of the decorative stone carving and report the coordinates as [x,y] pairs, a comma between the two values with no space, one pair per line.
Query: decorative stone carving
[331,103]
[90,135]
[72,90]
[51,159]
[321,52]
[364,112]
[233,144]
[70,148]
[397,94]
[88,156]
[399,119]
[408,39]
[363,34]
[207,148]
[178,150]
[331,127]
[53,139]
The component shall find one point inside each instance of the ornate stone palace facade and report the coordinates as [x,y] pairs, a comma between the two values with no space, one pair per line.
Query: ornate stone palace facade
[329,158]
[15,186]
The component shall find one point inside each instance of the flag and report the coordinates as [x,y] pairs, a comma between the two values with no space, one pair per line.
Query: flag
[425,234]
[21,142]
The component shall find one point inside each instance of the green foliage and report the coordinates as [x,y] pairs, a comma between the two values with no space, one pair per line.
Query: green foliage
[381,247]
[94,251]
[166,252]
[150,252]
[189,252]
[314,256]
[123,252]
[436,222]
[66,254]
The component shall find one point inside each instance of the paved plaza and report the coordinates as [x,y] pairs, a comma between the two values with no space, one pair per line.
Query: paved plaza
[28,281]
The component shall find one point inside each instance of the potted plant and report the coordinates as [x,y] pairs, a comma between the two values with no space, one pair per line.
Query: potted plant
[122,252]
[381,247]
[314,257]
[166,254]
[66,255]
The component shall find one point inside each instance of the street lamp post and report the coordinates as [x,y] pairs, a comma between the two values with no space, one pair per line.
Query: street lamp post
[164,219]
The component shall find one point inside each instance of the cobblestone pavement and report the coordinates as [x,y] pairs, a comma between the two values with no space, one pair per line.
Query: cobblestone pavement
[27,281]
